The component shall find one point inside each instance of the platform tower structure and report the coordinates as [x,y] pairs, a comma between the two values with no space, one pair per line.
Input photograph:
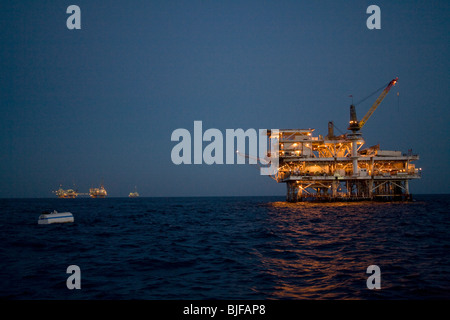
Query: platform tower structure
[338,168]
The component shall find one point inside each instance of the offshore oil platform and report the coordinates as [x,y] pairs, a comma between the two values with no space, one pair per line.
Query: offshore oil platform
[134,194]
[66,193]
[71,193]
[337,168]
[98,192]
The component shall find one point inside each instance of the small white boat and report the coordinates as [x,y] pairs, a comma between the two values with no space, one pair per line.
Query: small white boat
[55,217]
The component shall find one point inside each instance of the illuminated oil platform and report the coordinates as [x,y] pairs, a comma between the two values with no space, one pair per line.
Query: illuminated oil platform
[66,193]
[338,168]
[98,192]
[134,194]
[70,193]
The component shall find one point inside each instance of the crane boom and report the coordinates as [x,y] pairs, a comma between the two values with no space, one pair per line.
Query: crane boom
[356,125]
[377,102]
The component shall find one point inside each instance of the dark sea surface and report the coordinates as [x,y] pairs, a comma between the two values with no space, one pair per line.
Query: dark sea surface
[226,248]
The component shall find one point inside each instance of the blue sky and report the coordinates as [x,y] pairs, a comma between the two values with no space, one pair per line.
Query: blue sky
[100,103]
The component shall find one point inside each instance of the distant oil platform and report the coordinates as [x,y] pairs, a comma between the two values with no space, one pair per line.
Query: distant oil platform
[71,193]
[134,194]
[336,168]
[66,194]
[98,192]
[93,193]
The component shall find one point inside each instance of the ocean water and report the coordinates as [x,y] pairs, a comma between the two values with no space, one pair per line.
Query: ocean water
[226,248]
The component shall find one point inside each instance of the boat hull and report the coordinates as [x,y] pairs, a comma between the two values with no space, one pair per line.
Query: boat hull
[63,217]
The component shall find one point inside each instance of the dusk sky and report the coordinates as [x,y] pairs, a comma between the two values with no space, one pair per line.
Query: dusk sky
[100,103]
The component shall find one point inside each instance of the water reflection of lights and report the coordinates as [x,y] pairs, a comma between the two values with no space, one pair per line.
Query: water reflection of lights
[322,250]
